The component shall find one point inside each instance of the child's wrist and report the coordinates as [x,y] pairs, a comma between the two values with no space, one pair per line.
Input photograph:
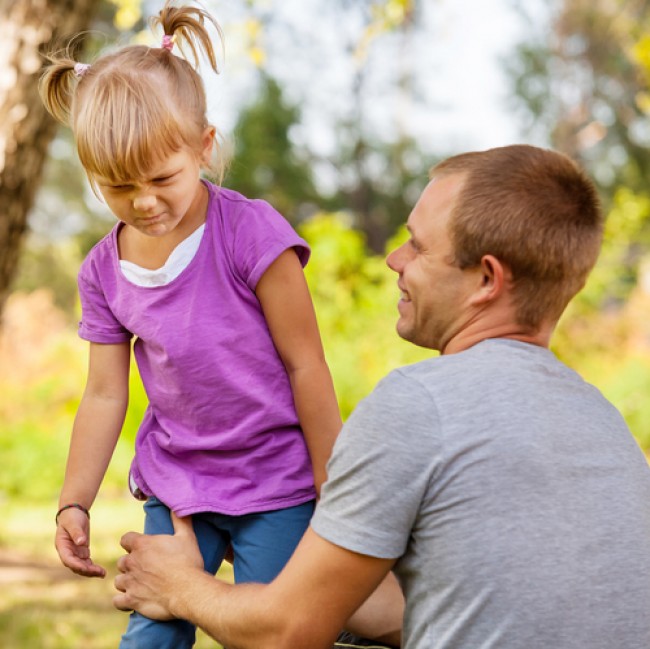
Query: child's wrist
[71,506]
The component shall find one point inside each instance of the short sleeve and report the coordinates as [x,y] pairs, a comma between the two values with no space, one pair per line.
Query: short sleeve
[261,235]
[98,324]
[380,470]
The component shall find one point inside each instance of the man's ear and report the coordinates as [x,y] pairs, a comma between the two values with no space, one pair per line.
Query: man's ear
[493,278]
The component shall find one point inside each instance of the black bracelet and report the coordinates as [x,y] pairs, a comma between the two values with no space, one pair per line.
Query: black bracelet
[71,506]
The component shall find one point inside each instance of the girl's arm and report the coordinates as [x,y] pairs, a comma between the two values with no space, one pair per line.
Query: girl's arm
[289,312]
[95,432]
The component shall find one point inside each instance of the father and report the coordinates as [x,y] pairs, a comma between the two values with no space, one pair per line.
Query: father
[506,494]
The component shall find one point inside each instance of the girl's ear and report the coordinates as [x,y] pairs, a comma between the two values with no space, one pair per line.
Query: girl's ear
[207,142]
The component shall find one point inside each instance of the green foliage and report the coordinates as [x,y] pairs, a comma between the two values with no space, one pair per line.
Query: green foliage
[610,351]
[627,238]
[138,403]
[42,373]
[626,243]
[380,182]
[583,81]
[627,384]
[50,265]
[355,296]
[45,606]
[267,163]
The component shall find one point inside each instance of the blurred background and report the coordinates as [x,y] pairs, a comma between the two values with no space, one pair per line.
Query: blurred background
[333,111]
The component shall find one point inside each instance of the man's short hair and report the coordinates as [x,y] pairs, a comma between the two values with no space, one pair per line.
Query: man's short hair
[537,212]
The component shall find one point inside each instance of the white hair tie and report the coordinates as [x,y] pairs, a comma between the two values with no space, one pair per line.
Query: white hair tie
[81,68]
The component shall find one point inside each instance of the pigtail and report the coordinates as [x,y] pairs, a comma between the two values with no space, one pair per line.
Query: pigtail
[137,103]
[187,26]
[58,84]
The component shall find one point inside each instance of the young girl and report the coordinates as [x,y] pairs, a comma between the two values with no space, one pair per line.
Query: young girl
[242,413]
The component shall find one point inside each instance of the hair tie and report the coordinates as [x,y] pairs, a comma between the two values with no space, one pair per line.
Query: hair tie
[81,68]
[167,42]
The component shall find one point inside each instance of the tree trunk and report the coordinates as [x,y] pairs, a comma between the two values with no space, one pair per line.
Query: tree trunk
[27,29]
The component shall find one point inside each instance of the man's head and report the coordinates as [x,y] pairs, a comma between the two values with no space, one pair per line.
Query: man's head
[528,211]
[538,213]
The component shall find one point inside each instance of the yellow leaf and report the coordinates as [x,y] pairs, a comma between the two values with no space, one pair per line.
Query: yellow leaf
[128,13]
[126,18]
[257,55]
[642,100]
[396,11]
[385,17]
[253,29]
[641,52]
[143,37]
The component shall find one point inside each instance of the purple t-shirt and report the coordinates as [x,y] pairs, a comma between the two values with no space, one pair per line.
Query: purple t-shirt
[221,432]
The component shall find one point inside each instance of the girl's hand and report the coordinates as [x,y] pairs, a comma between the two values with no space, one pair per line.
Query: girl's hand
[72,541]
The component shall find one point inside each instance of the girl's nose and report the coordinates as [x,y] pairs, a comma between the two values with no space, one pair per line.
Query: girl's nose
[144,201]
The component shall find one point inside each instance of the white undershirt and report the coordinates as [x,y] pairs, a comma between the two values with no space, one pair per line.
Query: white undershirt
[176,263]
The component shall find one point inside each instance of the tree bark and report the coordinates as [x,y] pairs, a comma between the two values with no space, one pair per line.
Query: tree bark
[27,29]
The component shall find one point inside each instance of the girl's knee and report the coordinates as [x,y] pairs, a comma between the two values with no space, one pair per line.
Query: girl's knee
[144,633]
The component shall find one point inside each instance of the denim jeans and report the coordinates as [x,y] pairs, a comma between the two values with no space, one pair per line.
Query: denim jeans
[262,544]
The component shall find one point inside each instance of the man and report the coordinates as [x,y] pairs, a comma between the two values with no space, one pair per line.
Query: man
[506,494]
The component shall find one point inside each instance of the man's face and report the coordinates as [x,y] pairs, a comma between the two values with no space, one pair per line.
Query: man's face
[434,292]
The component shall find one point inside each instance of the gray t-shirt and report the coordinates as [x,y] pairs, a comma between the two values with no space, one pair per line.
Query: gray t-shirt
[514,495]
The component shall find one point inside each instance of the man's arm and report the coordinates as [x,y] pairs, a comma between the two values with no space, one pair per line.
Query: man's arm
[305,606]
[381,616]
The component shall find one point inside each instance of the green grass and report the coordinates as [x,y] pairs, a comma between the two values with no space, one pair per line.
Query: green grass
[45,606]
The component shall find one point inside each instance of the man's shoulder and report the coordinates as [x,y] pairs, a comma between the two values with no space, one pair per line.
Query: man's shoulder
[441,371]
[456,383]
[404,397]
[429,376]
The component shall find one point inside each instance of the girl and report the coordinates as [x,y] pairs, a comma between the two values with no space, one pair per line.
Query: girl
[242,413]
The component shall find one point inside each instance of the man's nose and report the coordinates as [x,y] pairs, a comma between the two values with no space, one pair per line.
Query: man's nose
[394,259]
[144,200]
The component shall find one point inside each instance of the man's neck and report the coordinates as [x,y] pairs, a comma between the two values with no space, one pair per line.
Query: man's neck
[510,331]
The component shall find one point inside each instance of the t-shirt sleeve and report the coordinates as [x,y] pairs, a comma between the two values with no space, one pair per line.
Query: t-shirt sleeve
[380,470]
[98,324]
[261,235]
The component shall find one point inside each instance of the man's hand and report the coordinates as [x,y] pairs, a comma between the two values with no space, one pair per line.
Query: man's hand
[153,566]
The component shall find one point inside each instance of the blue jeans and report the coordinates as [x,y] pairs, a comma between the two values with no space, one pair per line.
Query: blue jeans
[262,544]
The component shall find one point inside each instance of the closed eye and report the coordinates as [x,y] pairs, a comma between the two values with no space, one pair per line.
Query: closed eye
[414,244]
[164,179]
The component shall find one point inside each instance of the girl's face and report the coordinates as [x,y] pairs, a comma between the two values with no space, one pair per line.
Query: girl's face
[171,193]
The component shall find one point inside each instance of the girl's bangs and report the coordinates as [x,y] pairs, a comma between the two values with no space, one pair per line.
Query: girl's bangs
[126,133]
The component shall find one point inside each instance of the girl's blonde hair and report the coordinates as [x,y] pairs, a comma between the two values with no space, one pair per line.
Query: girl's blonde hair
[132,108]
